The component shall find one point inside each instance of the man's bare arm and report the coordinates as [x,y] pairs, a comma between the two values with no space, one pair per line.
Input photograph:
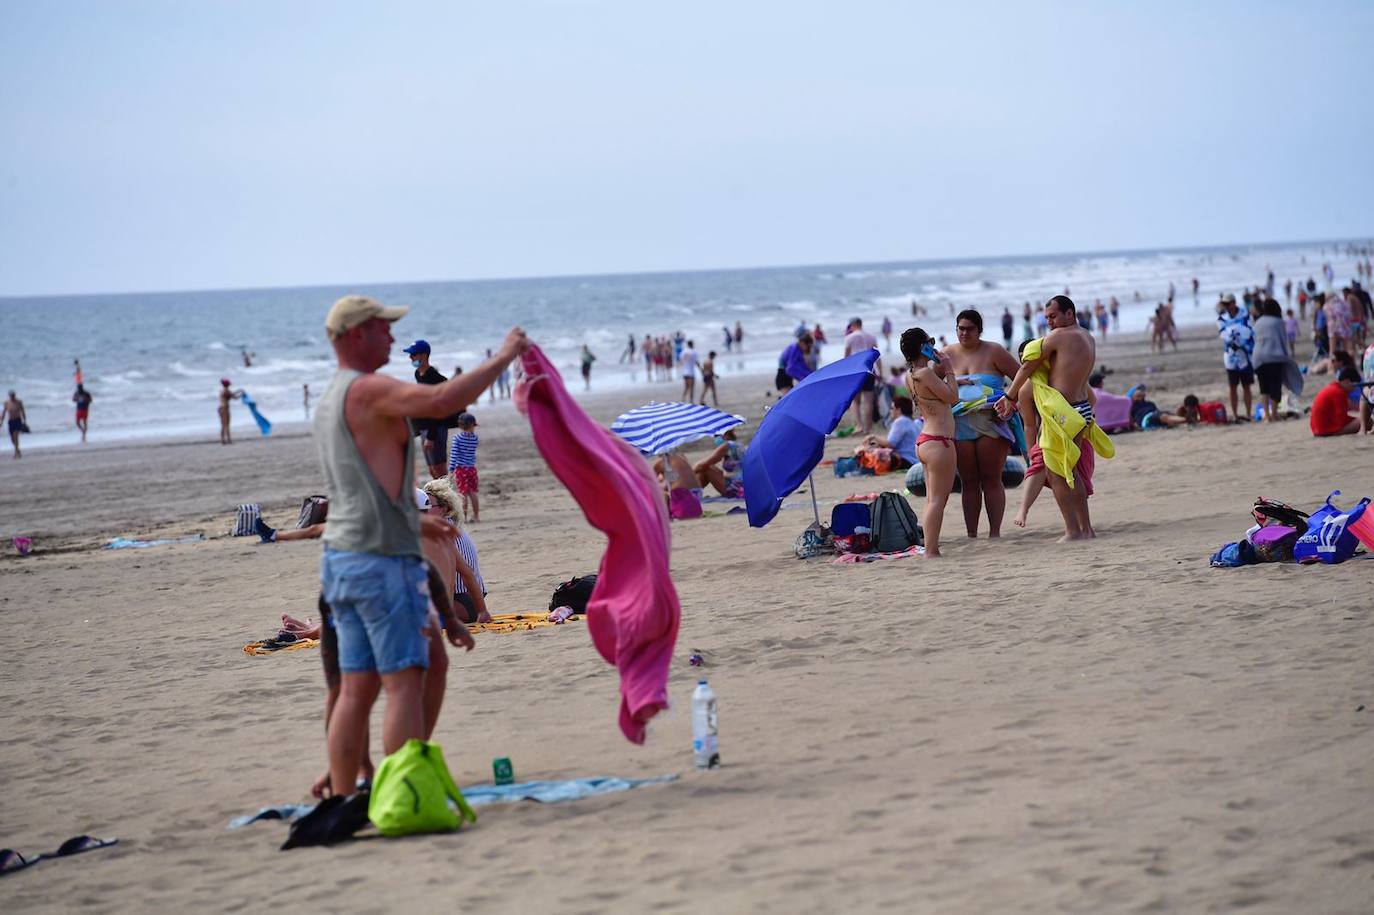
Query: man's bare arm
[391,397]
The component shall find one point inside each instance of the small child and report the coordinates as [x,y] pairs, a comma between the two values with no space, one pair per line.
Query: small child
[462,464]
[1290,326]
[1190,409]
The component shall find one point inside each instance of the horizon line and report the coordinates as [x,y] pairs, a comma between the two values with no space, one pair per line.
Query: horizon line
[690,270]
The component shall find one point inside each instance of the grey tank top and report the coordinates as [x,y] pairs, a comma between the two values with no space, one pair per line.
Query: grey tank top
[362,517]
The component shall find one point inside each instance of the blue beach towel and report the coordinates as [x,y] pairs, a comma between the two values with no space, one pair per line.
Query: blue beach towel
[124,543]
[261,420]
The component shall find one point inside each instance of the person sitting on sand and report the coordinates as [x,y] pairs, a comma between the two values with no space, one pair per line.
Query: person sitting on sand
[902,432]
[1191,410]
[1331,406]
[723,468]
[469,590]
[674,472]
[930,378]
[1145,415]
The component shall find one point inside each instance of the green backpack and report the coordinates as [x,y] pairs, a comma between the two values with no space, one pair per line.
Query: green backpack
[411,791]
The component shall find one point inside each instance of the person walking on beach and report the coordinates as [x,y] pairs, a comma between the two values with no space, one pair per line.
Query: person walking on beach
[18,420]
[1237,343]
[689,372]
[373,571]
[1008,327]
[887,334]
[433,432]
[930,379]
[1069,353]
[858,340]
[708,379]
[225,396]
[82,399]
[587,359]
[305,392]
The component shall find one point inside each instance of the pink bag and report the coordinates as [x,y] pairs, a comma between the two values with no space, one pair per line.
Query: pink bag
[683,503]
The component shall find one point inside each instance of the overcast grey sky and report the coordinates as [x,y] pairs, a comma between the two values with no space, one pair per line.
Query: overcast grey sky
[180,145]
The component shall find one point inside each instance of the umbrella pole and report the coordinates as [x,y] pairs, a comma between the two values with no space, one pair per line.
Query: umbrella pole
[811,485]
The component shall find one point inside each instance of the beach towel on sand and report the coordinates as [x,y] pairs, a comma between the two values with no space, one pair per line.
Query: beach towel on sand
[517,622]
[633,613]
[278,643]
[1060,423]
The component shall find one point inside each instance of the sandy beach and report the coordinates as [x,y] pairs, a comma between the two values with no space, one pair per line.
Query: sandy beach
[1022,727]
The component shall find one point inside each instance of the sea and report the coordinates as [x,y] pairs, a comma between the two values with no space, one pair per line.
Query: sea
[152,361]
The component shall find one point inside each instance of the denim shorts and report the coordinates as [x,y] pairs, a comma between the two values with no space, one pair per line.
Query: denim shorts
[380,605]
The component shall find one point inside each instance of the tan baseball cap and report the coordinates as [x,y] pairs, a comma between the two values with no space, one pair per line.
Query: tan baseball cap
[352,310]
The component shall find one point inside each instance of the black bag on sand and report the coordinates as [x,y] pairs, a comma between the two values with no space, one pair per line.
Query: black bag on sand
[314,510]
[334,819]
[574,593]
[894,524]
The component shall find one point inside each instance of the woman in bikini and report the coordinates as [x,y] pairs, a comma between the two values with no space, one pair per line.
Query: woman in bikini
[930,378]
[982,442]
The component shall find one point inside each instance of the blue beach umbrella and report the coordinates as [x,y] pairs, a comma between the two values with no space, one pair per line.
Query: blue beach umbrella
[791,437]
[657,428]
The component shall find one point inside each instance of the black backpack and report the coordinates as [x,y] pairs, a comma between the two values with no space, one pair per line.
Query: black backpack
[573,593]
[894,524]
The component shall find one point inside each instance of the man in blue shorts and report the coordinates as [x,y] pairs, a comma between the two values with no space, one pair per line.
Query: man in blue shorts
[373,571]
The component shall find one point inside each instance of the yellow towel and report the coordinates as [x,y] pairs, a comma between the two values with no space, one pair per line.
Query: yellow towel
[257,648]
[1060,423]
[516,622]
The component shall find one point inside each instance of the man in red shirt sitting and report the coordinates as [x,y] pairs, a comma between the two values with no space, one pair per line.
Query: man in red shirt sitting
[1331,408]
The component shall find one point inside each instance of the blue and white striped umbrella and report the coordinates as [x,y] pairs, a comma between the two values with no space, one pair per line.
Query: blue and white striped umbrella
[657,428]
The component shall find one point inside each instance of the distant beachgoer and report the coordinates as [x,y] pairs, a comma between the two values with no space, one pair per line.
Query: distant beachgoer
[305,390]
[728,337]
[1272,354]
[502,380]
[628,354]
[723,468]
[247,357]
[739,337]
[1288,291]
[462,466]
[902,433]
[587,359]
[792,364]
[858,340]
[373,571]
[1008,327]
[1238,342]
[887,334]
[689,363]
[225,396]
[1042,324]
[1069,354]
[82,399]
[930,378]
[1114,309]
[1331,406]
[433,432]
[708,379]
[18,421]
[799,330]
[1290,328]
[982,442]
[1027,329]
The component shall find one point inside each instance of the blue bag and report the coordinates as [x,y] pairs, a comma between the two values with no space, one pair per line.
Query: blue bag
[1234,555]
[1329,538]
[846,517]
[846,467]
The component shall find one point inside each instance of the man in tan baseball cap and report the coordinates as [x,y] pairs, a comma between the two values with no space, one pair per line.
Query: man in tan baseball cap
[352,310]
[373,571]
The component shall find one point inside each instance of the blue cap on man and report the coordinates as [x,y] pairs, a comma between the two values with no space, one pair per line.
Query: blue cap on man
[419,346]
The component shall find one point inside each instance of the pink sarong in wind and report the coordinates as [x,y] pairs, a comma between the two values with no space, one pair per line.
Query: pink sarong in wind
[633,612]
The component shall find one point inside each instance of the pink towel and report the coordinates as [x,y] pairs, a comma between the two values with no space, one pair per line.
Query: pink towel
[633,612]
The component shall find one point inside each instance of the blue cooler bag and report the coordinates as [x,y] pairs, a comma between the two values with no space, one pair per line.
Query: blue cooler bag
[1329,538]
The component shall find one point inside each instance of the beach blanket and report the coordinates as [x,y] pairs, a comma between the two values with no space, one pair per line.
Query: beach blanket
[124,543]
[634,612]
[878,557]
[1060,423]
[263,424]
[517,622]
[278,643]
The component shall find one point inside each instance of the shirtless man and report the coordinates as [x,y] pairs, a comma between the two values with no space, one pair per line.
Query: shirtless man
[225,395]
[372,571]
[1071,354]
[13,411]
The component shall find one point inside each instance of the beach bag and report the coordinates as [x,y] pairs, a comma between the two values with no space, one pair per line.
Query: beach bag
[574,593]
[1212,412]
[1328,538]
[846,467]
[894,524]
[814,541]
[411,791]
[849,524]
[1272,511]
[1234,555]
[683,504]
[244,519]
[314,510]
[1274,543]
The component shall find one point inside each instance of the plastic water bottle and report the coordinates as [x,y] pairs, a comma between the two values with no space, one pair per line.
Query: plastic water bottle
[705,744]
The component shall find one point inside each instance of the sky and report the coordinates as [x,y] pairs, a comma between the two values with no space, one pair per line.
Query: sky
[189,145]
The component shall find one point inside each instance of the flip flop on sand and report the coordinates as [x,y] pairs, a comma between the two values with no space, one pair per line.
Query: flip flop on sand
[11,861]
[77,844]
